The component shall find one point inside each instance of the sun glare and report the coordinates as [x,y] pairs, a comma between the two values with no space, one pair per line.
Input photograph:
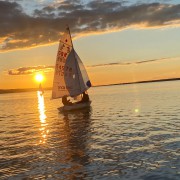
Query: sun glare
[136,110]
[39,77]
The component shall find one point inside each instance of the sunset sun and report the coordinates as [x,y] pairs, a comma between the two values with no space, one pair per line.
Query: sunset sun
[39,77]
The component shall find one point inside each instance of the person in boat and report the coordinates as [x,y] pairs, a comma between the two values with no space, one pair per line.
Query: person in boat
[66,101]
[85,98]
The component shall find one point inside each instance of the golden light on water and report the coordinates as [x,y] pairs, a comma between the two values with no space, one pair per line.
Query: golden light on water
[39,78]
[136,110]
[42,117]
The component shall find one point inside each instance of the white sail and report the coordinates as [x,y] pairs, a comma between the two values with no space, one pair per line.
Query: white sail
[83,76]
[65,47]
[41,89]
[70,77]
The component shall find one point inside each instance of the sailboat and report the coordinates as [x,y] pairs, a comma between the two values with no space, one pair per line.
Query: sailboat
[41,89]
[70,76]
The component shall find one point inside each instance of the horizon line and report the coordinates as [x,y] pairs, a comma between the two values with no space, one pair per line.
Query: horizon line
[5,91]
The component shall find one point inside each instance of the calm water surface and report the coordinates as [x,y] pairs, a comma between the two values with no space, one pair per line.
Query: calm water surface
[130,132]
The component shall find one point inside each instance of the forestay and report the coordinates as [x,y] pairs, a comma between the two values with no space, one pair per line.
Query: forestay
[70,76]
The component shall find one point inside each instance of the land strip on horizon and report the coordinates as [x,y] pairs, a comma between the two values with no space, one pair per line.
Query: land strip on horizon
[4,91]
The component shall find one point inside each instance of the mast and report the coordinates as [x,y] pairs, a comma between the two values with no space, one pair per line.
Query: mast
[74,56]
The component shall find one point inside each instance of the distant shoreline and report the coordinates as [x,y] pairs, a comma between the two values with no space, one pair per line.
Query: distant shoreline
[5,91]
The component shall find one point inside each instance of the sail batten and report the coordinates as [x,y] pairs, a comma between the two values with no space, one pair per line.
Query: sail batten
[70,76]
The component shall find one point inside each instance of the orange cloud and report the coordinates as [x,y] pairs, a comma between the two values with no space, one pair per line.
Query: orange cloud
[30,70]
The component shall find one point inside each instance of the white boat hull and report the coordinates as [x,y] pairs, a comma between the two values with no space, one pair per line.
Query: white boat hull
[75,106]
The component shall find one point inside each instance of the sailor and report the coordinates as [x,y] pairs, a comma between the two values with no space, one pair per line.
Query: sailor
[66,101]
[85,98]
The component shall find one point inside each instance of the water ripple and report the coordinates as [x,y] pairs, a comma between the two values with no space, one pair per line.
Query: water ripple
[132,133]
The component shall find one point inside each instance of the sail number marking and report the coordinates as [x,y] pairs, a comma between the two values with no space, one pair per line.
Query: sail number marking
[63,53]
[64,87]
[63,70]
[65,48]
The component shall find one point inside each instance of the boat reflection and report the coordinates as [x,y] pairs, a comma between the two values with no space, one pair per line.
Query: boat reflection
[42,117]
[77,128]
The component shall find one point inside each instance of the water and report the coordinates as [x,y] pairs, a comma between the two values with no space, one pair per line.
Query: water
[130,132]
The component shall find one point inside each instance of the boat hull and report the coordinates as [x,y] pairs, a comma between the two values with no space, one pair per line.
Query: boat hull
[75,106]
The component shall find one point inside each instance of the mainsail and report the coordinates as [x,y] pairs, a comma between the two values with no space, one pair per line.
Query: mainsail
[70,76]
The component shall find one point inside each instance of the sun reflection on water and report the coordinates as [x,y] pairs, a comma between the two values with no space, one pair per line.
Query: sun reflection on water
[42,117]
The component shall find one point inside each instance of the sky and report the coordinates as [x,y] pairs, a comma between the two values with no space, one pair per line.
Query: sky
[118,41]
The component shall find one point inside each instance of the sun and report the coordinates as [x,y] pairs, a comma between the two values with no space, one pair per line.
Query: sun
[39,78]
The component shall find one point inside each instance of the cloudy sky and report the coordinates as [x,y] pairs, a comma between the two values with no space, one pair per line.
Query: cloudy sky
[118,40]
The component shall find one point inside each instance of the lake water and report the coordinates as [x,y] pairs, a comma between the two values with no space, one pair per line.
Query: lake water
[130,132]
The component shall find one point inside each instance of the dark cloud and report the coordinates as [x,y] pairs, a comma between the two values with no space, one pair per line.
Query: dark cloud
[129,63]
[107,6]
[46,12]
[68,6]
[30,70]
[20,30]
